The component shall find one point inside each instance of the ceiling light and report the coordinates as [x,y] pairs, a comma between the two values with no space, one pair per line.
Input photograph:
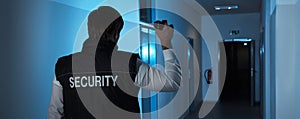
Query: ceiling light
[229,7]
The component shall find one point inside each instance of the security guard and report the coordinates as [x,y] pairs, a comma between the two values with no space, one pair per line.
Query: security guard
[102,82]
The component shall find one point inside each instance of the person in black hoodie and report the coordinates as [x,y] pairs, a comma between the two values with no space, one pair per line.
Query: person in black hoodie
[103,82]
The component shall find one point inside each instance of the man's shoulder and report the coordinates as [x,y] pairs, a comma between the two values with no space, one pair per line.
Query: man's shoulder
[67,58]
[64,64]
[64,60]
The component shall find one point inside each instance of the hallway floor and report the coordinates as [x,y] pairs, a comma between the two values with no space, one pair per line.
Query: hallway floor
[230,110]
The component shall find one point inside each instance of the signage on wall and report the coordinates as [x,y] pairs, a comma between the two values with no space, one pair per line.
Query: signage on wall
[234,32]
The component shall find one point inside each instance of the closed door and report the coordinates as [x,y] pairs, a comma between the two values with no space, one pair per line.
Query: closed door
[238,76]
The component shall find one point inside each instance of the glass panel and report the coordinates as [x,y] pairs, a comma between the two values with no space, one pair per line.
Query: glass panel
[148,54]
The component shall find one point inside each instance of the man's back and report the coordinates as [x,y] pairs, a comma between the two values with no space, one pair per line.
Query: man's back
[93,82]
[101,82]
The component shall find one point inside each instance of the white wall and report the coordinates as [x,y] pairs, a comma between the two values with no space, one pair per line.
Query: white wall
[285,61]
[284,58]
[287,78]
[248,24]
[184,30]
[209,58]
[206,64]
[297,63]
[285,2]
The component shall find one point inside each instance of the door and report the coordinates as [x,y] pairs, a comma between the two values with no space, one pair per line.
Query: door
[237,85]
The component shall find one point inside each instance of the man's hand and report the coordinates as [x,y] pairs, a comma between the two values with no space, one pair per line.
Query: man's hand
[164,32]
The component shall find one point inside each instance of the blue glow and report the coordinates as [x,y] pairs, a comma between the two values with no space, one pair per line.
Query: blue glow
[145,51]
[144,54]
[148,51]
[218,8]
[152,51]
[148,55]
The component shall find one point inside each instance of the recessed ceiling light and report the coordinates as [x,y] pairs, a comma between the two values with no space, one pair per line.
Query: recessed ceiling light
[227,7]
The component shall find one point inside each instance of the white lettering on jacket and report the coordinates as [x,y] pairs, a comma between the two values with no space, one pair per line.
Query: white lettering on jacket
[93,81]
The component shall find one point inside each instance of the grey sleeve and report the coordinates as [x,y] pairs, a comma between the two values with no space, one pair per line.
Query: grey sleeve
[55,109]
[151,78]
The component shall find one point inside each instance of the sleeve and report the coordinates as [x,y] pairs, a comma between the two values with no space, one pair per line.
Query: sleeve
[151,78]
[55,109]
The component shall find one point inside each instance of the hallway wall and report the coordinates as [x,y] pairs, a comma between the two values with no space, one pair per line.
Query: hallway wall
[284,58]
[249,26]
[184,30]
[297,63]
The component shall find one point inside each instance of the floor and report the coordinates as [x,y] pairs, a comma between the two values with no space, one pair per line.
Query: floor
[230,110]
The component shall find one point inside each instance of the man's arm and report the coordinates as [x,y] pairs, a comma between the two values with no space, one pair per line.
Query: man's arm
[151,78]
[55,109]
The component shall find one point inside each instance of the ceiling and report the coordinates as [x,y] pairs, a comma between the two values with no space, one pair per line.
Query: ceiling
[245,6]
